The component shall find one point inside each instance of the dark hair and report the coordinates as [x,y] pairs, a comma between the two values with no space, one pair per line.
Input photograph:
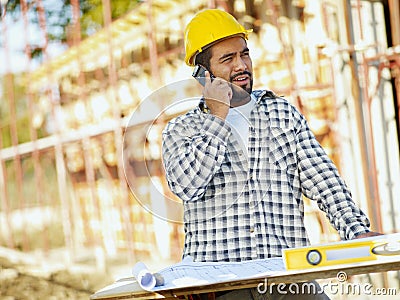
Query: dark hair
[203,58]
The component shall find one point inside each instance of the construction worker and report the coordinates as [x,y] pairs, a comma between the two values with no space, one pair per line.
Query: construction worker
[242,160]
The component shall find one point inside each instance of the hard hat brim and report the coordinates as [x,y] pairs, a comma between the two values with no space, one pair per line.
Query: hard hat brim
[245,33]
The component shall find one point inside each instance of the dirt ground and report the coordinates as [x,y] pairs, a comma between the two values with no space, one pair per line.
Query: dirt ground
[17,282]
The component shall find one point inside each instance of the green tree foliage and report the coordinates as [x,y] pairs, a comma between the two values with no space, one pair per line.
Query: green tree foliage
[22,117]
[58,15]
[93,16]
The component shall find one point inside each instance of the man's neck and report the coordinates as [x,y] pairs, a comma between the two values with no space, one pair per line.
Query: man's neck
[241,102]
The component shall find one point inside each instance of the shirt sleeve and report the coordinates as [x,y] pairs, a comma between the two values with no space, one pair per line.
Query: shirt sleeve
[193,149]
[321,182]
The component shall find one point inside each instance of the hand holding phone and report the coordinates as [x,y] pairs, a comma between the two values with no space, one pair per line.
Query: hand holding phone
[199,73]
[217,94]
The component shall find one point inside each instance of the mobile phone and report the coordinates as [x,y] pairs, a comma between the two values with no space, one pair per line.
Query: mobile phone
[199,74]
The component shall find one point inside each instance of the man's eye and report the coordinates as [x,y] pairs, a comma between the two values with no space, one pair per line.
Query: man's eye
[227,59]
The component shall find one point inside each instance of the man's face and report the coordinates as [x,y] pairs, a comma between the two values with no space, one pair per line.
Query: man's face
[230,60]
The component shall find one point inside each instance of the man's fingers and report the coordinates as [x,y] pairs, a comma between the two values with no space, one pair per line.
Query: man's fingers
[207,78]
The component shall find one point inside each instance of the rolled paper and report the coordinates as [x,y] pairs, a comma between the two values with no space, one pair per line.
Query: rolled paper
[159,279]
[144,277]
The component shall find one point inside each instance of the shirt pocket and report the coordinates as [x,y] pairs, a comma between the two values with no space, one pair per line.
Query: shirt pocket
[283,148]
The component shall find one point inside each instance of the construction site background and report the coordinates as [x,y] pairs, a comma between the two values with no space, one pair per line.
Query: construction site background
[82,186]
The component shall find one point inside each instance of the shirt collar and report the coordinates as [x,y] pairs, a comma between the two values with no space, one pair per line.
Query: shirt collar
[256,95]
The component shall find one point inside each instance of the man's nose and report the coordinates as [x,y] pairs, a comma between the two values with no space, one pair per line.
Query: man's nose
[240,64]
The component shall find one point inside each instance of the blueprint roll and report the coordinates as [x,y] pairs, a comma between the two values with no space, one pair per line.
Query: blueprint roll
[159,279]
[144,277]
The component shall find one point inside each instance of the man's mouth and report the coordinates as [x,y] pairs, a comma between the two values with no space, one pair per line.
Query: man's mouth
[241,79]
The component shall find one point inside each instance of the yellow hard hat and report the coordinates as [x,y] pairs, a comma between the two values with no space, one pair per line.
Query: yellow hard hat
[207,27]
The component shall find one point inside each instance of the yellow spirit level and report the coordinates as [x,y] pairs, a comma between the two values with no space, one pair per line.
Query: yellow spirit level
[341,252]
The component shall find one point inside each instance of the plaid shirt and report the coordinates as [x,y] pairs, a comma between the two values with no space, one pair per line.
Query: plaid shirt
[239,207]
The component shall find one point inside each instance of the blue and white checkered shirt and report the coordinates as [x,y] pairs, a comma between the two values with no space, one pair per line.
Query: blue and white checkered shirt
[239,207]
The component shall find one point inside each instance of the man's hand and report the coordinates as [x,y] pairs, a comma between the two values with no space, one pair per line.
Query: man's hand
[368,234]
[218,95]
